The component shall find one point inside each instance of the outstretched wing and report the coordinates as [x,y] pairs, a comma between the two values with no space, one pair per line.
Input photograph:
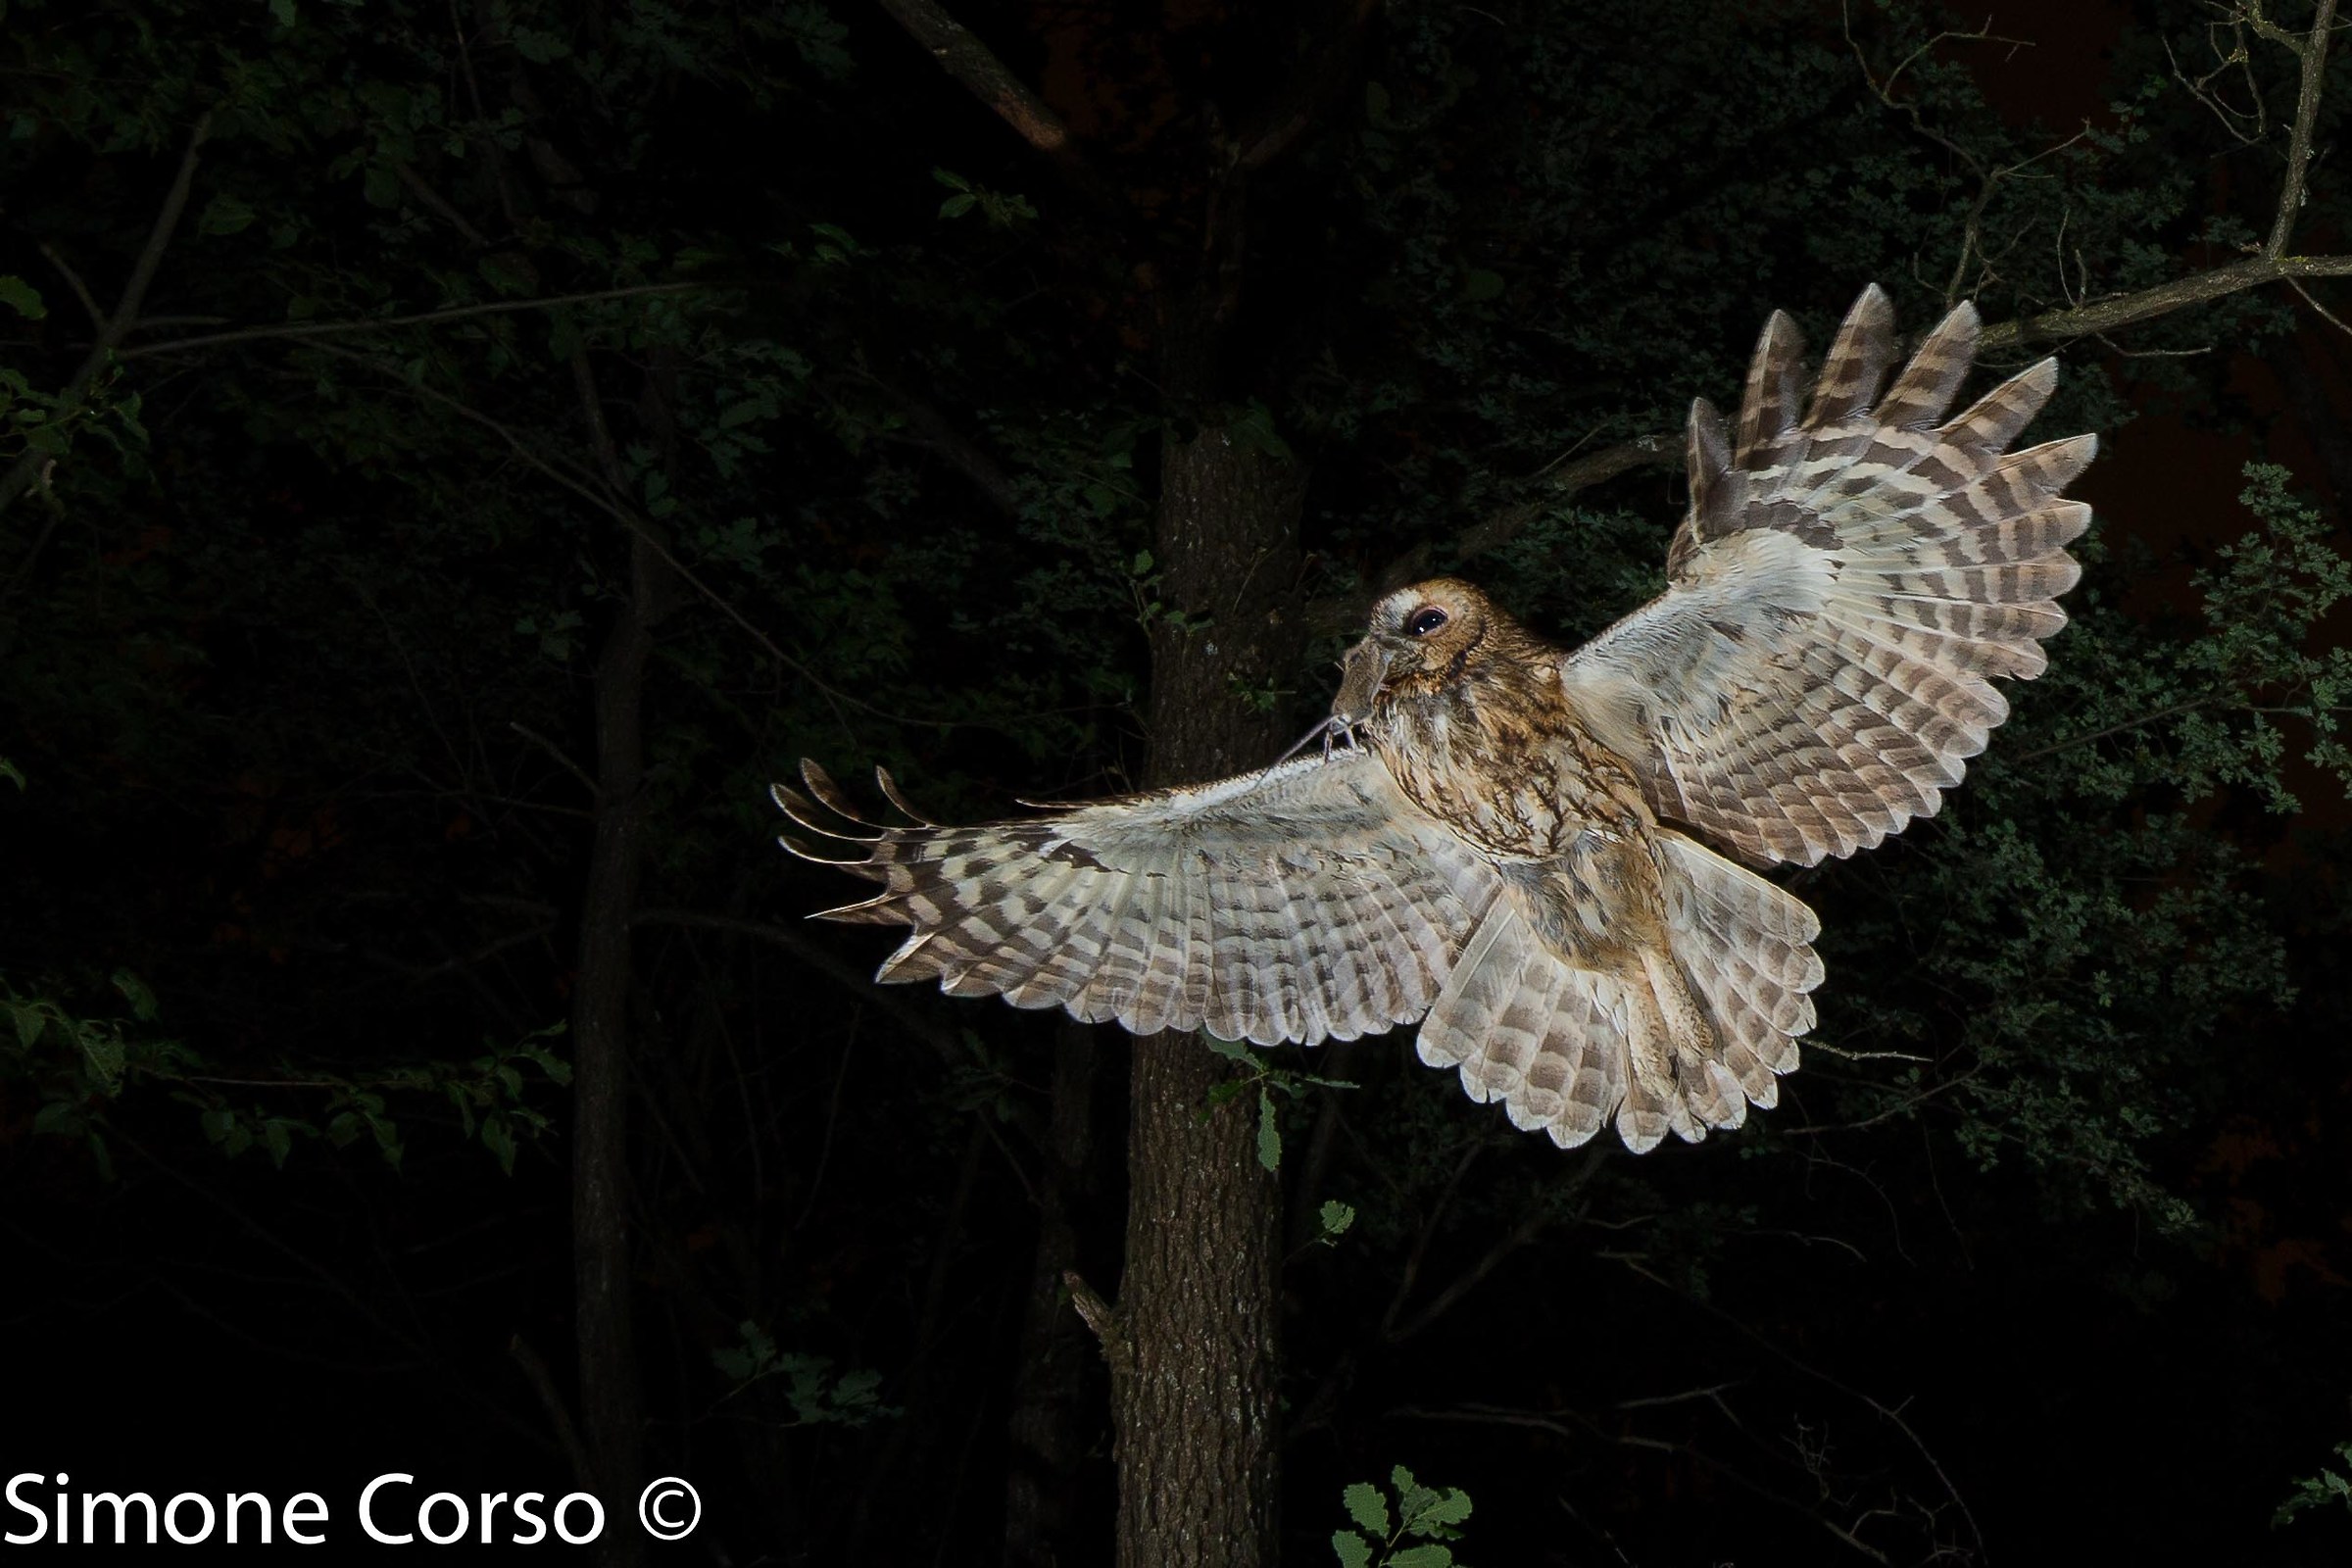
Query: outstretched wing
[1305,902]
[1846,584]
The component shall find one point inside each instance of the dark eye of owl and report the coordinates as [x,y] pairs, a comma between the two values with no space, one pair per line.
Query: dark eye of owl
[1426,620]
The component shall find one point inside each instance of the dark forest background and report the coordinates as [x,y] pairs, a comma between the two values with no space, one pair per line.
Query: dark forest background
[457,452]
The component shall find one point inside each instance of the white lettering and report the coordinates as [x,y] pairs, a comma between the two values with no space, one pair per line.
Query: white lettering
[171,1518]
[61,1535]
[297,1515]
[490,1503]
[260,1503]
[425,1517]
[368,1496]
[122,1505]
[596,1511]
[40,1521]
[522,1512]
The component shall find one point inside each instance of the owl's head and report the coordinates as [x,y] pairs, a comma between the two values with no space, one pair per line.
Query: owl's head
[1425,634]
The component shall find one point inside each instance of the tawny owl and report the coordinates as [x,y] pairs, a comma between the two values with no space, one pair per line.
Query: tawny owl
[1512,855]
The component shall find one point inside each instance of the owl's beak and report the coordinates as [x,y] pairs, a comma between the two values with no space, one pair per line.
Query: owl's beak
[1362,675]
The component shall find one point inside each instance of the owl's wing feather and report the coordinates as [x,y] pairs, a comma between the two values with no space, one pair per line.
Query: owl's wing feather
[1309,901]
[1817,672]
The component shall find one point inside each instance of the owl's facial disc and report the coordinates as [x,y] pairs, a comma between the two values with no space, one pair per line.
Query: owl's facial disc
[1414,629]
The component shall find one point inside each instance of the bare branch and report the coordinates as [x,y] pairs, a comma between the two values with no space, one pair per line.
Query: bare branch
[1893,1416]
[555,752]
[627,518]
[970,62]
[933,432]
[1327,70]
[458,313]
[81,290]
[559,1415]
[30,468]
[2311,49]
[440,205]
[2270,265]
[2200,88]
[1101,1317]
[942,1039]
[1573,1424]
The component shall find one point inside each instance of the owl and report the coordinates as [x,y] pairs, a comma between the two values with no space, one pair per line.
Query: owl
[1520,848]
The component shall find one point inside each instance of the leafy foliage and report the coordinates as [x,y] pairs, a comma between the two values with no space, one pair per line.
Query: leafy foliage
[816,1394]
[1417,1535]
[2317,1490]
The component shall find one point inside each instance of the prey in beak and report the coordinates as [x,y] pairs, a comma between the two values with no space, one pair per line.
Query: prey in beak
[1413,631]
[1362,671]
[1362,674]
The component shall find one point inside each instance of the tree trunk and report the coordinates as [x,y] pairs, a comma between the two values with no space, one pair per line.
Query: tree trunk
[609,1403]
[1050,1421]
[612,1403]
[1193,1359]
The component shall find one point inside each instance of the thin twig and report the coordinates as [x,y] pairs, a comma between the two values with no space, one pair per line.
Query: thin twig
[629,519]
[2311,49]
[970,62]
[81,290]
[458,313]
[557,753]
[30,468]
[943,1041]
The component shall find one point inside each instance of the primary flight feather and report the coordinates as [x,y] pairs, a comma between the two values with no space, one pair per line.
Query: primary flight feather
[1512,855]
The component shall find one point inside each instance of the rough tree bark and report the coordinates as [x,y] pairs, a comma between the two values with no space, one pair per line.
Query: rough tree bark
[610,1399]
[1193,1341]
[604,1330]
[1191,1344]
[1048,1427]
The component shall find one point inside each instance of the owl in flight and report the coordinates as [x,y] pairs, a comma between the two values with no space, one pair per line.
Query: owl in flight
[1515,849]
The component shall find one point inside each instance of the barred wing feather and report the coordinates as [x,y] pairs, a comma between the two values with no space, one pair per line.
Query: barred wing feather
[1307,902]
[1844,588]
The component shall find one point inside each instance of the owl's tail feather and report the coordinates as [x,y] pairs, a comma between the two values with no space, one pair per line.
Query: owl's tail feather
[1685,1044]
[1742,944]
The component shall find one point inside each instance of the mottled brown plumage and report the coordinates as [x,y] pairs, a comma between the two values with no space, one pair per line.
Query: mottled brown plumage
[1501,856]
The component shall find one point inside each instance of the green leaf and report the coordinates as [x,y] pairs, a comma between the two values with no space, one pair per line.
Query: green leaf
[29,1020]
[283,11]
[744,413]
[1269,1133]
[1368,1508]
[224,215]
[1451,1507]
[499,1139]
[1435,1554]
[26,300]
[958,204]
[539,48]
[8,771]
[954,181]
[1230,1050]
[1352,1550]
[134,991]
[1337,1217]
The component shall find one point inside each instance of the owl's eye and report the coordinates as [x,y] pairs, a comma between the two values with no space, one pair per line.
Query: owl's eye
[1426,620]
